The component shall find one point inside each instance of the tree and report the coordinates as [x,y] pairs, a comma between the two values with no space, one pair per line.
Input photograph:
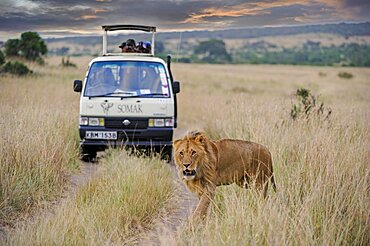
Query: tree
[16,68]
[12,47]
[213,51]
[2,58]
[32,46]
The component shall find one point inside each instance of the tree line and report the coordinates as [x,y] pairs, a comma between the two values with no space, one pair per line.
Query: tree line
[311,53]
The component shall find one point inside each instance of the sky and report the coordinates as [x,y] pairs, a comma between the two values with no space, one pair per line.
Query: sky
[57,18]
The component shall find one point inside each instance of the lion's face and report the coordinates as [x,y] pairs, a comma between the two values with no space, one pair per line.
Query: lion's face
[189,154]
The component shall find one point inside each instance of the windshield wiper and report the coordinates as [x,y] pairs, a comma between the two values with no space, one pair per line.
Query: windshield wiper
[113,93]
[144,95]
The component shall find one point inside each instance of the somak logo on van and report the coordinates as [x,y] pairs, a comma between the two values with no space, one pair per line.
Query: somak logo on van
[124,108]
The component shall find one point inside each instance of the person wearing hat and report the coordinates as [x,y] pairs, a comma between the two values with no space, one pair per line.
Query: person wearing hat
[148,46]
[122,46]
[131,46]
[128,47]
[140,47]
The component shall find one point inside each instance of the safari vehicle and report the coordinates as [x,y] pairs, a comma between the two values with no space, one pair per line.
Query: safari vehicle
[127,99]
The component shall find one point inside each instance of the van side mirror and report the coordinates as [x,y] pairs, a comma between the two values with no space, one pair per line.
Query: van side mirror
[176,87]
[77,85]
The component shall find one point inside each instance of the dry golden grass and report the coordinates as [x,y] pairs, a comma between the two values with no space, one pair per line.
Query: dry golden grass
[321,166]
[113,208]
[39,142]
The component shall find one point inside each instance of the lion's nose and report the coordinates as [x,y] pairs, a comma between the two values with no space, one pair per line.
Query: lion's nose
[186,165]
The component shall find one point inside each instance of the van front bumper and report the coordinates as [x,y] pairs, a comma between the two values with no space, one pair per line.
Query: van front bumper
[149,137]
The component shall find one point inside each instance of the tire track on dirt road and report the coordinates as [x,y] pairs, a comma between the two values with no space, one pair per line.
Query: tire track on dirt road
[165,228]
[184,202]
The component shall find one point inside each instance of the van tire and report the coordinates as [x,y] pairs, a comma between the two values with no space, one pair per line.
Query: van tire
[167,154]
[88,154]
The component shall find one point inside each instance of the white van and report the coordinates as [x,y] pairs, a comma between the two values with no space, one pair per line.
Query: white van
[127,99]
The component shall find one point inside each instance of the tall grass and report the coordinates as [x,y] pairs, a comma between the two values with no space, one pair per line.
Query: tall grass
[321,166]
[113,208]
[39,142]
[322,173]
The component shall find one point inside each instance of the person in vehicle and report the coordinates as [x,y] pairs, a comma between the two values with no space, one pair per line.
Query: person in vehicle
[101,81]
[123,47]
[150,80]
[129,46]
[128,78]
[144,47]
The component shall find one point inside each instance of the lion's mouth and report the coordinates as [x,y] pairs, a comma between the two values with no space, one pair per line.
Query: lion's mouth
[188,172]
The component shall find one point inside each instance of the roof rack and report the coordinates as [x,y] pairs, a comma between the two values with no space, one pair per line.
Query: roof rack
[107,28]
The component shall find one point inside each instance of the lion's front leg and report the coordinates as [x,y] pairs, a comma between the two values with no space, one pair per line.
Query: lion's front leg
[204,201]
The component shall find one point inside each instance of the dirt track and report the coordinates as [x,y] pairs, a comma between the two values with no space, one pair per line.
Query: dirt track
[164,229]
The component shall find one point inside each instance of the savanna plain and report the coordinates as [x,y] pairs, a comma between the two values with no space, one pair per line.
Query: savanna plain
[321,161]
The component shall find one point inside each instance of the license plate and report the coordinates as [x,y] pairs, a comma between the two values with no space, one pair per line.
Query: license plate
[100,135]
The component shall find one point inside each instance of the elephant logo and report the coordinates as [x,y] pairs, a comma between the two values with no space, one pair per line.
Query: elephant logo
[106,106]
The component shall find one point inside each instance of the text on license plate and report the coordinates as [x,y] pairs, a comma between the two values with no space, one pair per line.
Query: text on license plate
[100,135]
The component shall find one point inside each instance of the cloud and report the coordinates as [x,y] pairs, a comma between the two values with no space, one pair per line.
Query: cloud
[234,11]
[100,10]
[76,15]
[243,9]
[349,9]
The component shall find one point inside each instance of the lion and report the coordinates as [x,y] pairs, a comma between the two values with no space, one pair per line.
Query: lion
[203,165]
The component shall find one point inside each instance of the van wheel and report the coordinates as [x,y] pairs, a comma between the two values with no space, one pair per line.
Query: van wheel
[88,154]
[167,154]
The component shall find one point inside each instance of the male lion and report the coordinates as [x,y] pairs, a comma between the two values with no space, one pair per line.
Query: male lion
[204,164]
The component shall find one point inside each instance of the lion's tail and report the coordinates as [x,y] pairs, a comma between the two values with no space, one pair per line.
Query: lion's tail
[273,182]
[272,173]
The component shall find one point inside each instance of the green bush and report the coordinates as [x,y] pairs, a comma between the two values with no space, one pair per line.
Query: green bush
[67,63]
[306,105]
[345,75]
[2,58]
[12,47]
[17,68]
[40,61]
[322,74]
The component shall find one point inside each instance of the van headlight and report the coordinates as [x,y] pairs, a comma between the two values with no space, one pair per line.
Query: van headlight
[84,121]
[168,122]
[91,121]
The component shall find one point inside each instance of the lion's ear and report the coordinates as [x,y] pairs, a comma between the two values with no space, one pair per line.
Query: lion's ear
[201,138]
[177,142]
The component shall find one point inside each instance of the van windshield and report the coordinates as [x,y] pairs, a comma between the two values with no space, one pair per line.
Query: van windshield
[127,79]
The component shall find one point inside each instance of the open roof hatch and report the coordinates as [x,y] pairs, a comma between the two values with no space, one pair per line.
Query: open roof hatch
[107,28]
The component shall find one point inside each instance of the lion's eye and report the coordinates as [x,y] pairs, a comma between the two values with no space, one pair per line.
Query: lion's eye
[193,153]
[181,153]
